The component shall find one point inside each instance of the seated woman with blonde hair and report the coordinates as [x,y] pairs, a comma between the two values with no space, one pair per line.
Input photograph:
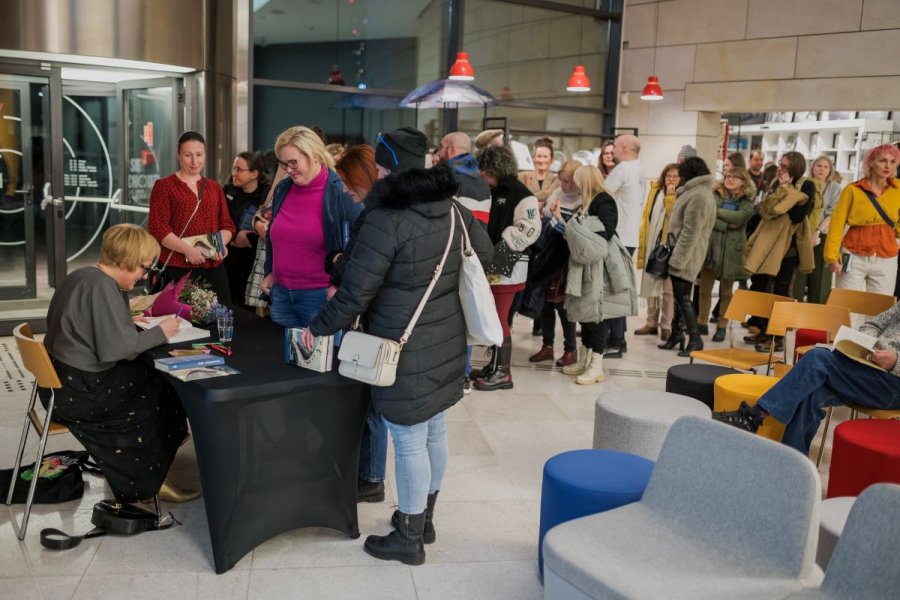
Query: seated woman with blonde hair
[121,409]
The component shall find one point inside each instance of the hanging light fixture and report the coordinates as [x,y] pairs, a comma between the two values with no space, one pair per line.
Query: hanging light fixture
[579,81]
[652,91]
[462,69]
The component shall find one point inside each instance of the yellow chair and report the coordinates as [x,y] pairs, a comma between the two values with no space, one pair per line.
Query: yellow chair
[743,303]
[731,390]
[37,362]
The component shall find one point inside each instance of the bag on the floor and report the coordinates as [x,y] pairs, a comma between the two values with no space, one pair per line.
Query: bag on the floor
[109,516]
[59,478]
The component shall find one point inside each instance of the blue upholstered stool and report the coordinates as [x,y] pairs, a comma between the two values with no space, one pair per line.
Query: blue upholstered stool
[586,482]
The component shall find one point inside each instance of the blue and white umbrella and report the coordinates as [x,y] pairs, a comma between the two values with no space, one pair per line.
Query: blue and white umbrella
[447,93]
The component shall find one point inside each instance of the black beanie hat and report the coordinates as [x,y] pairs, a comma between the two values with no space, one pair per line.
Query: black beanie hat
[401,149]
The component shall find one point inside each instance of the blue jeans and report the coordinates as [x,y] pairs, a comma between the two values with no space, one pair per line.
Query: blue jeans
[420,460]
[373,448]
[296,308]
[820,379]
[468,360]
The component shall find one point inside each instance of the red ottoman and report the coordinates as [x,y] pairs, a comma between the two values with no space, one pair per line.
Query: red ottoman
[865,451]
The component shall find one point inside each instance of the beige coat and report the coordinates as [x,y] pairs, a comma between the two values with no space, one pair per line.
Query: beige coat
[691,224]
[770,242]
[542,192]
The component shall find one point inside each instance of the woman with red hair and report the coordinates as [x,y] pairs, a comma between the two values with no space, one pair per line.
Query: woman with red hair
[865,256]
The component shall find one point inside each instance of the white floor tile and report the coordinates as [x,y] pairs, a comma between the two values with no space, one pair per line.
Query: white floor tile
[390,581]
[511,580]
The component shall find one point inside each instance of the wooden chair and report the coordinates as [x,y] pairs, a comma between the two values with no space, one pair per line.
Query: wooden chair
[36,361]
[743,303]
[731,390]
[859,303]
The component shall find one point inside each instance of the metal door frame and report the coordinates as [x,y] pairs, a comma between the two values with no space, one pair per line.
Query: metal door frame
[177,85]
[52,205]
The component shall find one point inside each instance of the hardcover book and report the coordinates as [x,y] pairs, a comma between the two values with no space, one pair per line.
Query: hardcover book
[319,358]
[177,363]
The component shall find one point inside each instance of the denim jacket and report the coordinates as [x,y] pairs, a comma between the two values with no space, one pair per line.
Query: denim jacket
[338,213]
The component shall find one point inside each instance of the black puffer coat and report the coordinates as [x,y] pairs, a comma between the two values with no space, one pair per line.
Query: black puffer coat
[398,247]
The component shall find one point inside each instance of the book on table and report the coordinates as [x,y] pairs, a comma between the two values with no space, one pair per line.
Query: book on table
[191,361]
[186,331]
[855,345]
[203,372]
[319,358]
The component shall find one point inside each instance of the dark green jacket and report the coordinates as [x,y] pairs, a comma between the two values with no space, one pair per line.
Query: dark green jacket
[732,222]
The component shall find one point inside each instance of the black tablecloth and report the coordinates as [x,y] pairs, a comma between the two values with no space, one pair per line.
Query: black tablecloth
[277,445]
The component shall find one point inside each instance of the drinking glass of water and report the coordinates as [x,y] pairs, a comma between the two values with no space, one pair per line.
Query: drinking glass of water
[226,327]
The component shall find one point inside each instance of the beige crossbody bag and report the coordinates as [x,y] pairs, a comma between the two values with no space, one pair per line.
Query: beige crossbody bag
[373,359]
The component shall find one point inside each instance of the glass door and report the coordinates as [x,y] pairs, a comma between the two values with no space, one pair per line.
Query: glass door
[152,117]
[25,182]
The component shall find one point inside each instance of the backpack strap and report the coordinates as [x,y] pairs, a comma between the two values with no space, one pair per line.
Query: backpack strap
[877,206]
[54,539]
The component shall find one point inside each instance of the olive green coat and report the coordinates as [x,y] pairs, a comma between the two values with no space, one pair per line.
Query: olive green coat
[692,220]
[732,223]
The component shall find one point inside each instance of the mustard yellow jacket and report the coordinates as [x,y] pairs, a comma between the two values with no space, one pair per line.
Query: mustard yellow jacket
[854,209]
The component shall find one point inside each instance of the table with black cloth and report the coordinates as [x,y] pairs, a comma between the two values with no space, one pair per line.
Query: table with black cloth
[277,445]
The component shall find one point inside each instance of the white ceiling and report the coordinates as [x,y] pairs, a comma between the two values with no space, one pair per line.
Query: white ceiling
[300,21]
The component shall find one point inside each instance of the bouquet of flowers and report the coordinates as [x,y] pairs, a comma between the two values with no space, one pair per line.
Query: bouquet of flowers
[201,299]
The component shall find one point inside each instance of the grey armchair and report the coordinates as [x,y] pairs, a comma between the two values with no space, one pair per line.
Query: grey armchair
[726,515]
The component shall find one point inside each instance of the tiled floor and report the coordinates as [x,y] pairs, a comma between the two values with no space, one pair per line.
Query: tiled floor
[486,518]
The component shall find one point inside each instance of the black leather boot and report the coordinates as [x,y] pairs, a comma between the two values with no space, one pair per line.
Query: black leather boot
[676,338]
[404,543]
[501,378]
[489,368]
[428,534]
[692,327]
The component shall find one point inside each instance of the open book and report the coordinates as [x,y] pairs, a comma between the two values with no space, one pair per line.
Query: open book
[186,331]
[856,345]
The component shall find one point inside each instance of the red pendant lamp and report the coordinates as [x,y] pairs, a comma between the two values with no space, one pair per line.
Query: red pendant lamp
[579,81]
[462,69]
[652,91]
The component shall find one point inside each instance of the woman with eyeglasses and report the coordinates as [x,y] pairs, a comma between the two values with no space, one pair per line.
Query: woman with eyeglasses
[311,218]
[724,257]
[187,204]
[120,409]
[244,194]
[606,162]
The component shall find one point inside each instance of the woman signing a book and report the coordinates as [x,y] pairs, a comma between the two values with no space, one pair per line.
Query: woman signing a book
[121,409]
[823,378]
[189,218]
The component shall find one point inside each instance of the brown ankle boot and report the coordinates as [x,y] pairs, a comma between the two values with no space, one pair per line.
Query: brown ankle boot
[545,353]
[568,358]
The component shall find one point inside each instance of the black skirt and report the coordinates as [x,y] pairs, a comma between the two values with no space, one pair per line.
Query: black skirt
[128,418]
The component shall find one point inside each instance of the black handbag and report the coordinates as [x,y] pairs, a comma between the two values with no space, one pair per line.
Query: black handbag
[112,517]
[658,259]
[59,480]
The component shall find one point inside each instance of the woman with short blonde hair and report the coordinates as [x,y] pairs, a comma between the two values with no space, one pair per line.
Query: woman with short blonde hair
[118,407]
[307,142]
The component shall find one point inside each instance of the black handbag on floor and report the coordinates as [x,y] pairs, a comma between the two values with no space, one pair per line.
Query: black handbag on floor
[658,259]
[59,478]
[109,516]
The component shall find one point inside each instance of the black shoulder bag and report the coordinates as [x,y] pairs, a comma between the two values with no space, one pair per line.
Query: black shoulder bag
[877,206]
[156,280]
[658,259]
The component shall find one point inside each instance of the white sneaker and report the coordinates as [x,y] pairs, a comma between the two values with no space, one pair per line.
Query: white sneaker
[584,359]
[594,372]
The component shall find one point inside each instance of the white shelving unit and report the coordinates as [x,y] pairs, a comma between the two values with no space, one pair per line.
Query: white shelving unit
[844,141]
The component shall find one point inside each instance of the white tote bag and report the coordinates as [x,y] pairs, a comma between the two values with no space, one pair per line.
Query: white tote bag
[482,323]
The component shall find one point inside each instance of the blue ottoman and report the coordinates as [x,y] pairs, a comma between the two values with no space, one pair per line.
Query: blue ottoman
[586,482]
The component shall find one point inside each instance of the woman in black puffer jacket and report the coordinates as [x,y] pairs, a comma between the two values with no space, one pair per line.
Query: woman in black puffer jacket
[397,250]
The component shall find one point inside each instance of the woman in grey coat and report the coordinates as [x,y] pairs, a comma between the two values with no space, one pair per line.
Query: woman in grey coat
[691,225]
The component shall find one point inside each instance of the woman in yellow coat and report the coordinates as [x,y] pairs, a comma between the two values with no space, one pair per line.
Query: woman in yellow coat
[654,225]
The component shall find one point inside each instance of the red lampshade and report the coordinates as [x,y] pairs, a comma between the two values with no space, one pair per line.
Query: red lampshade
[652,91]
[462,68]
[579,81]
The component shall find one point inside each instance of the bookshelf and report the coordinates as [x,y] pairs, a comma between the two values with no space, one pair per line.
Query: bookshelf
[845,142]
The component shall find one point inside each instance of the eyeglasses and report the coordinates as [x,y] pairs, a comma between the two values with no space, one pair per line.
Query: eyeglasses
[379,139]
[291,165]
[241,170]
[732,177]
[148,269]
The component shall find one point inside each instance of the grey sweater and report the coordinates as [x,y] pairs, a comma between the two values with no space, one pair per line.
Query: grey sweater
[886,327]
[89,324]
